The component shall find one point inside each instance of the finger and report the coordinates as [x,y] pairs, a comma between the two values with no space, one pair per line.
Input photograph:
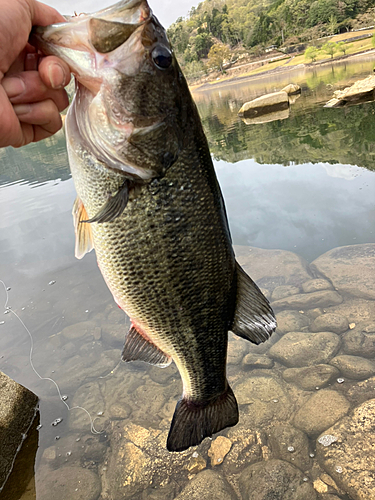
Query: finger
[27,87]
[10,128]
[54,72]
[43,113]
[31,62]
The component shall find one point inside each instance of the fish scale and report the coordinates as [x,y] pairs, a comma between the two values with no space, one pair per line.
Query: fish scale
[145,181]
[196,290]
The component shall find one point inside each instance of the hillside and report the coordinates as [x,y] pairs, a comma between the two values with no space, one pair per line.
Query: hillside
[231,29]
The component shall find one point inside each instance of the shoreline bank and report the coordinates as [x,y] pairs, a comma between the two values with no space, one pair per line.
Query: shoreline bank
[280,69]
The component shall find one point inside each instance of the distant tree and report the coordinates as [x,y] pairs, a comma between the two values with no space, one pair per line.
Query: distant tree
[194,69]
[311,53]
[332,24]
[202,44]
[217,55]
[330,48]
[343,47]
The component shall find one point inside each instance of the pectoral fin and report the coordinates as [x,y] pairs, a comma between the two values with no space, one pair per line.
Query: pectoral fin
[114,207]
[254,319]
[83,232]
[138,347]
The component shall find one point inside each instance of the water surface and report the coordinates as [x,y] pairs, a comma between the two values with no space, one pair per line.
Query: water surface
[304,184]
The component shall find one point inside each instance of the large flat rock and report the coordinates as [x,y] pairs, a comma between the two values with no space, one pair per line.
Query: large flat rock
[269,103]
[273,268]
[351,269]
[17,412]
[274,479]
[296,349]
[349,460]
[360,91]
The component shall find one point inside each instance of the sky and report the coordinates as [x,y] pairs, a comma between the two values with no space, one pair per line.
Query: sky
[167,11]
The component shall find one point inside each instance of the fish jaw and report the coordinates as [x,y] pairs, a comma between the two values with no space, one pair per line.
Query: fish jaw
[128,109]
[76,41]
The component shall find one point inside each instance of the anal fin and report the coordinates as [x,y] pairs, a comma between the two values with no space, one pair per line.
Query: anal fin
[254,319]
[137,347]
[193,420]
[84,243]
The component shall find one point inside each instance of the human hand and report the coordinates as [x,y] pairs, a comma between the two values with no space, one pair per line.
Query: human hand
[31,88]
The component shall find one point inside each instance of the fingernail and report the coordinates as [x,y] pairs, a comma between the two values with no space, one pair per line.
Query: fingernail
[13,86]
[56,76]
[21,109]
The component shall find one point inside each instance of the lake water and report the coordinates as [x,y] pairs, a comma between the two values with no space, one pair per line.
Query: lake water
[304,186]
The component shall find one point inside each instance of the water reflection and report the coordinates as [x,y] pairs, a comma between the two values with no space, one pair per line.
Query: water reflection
[304,185]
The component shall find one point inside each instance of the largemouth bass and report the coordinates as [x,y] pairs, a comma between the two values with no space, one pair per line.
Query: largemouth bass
[151,206]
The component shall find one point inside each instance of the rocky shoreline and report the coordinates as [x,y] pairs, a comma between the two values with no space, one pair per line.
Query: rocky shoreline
[306,398]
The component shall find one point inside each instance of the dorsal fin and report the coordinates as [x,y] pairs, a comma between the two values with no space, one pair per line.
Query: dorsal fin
[83,232]
[139,347]
[254,319]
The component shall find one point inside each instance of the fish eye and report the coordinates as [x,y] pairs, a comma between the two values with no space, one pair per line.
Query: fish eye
[162,57]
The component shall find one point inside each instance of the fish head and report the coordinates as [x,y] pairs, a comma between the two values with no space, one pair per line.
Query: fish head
[128,107]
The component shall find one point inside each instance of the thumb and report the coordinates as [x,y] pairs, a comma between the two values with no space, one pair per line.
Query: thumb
[43,15]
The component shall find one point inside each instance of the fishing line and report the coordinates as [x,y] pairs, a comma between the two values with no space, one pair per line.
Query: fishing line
[9,310]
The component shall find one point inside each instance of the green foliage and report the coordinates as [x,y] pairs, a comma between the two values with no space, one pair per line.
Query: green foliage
[332,25]
[217,55]
[257,24]
[311,53]
[194,69]
[329,48]
[343,47]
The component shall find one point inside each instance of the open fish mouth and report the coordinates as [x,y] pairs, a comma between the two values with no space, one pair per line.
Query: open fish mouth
[85,40]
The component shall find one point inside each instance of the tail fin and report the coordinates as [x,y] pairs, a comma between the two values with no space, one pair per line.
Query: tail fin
[193,421]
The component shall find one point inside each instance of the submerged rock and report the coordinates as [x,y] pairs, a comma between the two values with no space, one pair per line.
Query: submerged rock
[290,444]
[350,460]
[360,341]
[323,298]
[68,482]
[283,291]
[321,411]
[330,322]
[361,391]
[274,479]
[264,398]
[237,348]
[311,377]
[298,349]
[247,447]
[272,268]
[219,449]
[316,285]
[351,269]
[139,458]
[254,361]
[206,485]
[79,330]
[356,310]
[354,367]
[291,321]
